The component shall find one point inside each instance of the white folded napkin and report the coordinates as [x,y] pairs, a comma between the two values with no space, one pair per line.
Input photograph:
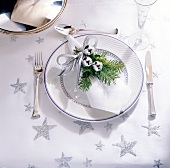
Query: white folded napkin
[111,98]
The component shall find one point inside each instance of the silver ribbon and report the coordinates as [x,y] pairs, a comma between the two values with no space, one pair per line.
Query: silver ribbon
[73,61]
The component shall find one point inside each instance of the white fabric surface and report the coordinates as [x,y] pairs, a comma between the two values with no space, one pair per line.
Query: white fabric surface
[73,143]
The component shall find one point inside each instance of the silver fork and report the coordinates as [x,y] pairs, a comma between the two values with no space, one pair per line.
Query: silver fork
[38,69]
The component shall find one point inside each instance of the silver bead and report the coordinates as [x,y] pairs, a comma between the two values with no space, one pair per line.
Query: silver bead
[87,61]
[88,50]
[97,66]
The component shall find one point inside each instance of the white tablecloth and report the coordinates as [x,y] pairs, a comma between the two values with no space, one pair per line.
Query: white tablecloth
[56,140]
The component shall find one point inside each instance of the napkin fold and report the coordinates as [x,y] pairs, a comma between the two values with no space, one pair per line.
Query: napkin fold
[31,12]
[111,98]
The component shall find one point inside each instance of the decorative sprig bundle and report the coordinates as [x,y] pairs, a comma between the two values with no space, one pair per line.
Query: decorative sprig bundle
[96,65]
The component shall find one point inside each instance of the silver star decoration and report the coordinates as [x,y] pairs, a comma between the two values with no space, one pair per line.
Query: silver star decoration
[29,166]
[13,38]
[43,130]
[157,163]
[30,58]
[87,162]
[152,129]
[28,107]
[99,146]
[83,23]
[40,40]
[83,126]
[108,126]
[19,86]
[156,74]
[124,116]
[152,46]
[63,161]
[126,147]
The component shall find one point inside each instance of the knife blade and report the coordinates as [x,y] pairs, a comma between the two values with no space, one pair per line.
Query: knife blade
[149,82]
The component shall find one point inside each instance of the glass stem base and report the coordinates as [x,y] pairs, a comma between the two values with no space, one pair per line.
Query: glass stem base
[138,42]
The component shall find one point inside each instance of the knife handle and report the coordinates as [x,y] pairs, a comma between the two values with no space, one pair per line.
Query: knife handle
[152,111]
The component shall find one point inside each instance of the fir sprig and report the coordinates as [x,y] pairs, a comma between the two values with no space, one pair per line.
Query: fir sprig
[110,71]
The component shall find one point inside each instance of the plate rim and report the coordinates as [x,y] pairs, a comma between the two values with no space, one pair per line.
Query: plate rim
[94,120]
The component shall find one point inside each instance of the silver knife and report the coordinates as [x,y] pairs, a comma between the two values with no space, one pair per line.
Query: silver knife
[149,81]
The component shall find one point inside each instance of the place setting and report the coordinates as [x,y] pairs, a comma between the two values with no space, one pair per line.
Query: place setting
[84,84]
[104,95]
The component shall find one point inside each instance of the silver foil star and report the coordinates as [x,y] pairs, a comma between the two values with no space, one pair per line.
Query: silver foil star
[43,130]
[99,146]
[157,163]
[124,116]
[28,107]
[63,161]
[126,147]
[87,163]
[108,126]
[83,126]
[30,58]
[40,40]
[13,38]
[29,166]
[18,86]
[152,129]
[83,23]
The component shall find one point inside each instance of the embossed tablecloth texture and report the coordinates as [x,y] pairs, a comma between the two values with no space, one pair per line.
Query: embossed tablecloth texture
[56,140]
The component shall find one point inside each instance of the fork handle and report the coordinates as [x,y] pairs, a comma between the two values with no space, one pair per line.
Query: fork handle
[35,113]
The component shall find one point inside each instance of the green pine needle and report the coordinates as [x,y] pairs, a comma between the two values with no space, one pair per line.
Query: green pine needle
[110,71]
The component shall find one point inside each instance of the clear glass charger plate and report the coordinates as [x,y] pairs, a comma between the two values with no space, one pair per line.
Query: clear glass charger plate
[75,104]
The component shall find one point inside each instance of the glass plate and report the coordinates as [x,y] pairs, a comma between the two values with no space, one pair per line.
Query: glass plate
[75,104]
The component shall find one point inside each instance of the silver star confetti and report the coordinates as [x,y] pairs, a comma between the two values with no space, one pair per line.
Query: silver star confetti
[156,74]
[157,163]
[83,23]
[152,129]
[83,126]
[13,38]
[63,161]
[124,116]
[87,163]
[28,107]
[126,147]
[43,130]
[18,86]
[40,40]
[99,146]
[108,126]
[29,166]
[30,58]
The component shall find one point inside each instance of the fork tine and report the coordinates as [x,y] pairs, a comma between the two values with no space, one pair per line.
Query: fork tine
[41,60]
